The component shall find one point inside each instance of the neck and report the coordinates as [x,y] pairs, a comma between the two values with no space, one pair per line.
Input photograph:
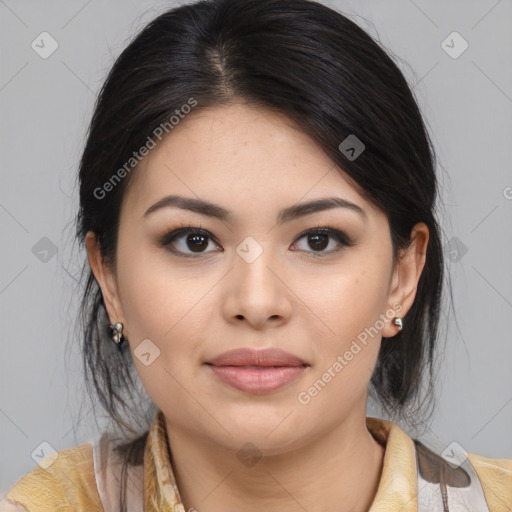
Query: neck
[338,471]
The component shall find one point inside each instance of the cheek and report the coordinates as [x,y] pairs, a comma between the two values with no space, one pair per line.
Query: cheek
[165,303]
[151,293]
[349,302]
[350,307]
[345,299]
[172,310]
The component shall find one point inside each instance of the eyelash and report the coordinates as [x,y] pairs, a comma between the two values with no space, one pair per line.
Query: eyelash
[168,238]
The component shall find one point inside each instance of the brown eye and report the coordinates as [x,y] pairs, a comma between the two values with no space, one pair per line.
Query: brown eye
[187,241]
[317,240]
[196,242]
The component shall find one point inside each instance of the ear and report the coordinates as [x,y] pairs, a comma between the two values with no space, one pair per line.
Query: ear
[105,278]
[406,274]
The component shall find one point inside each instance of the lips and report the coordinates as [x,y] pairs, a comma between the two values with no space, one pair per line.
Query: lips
[257,358]
[257,372]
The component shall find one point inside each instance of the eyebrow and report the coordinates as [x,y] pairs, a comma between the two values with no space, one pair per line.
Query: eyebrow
[285,215]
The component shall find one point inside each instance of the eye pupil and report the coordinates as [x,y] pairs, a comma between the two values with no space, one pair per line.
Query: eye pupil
[198,242]
[321,245]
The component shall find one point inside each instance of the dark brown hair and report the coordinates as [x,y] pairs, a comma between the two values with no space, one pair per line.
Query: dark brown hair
[324,72]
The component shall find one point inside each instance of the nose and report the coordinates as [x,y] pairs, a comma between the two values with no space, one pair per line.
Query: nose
[257,289]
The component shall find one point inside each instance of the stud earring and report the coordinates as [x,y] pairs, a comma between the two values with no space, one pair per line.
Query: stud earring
[116,333]
[398,321]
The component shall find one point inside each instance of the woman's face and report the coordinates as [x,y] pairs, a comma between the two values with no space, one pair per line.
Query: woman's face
[254,279]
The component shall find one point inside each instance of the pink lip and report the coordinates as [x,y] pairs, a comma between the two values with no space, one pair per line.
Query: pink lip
[249,357]
[271,369]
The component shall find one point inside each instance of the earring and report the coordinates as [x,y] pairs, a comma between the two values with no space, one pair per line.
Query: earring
[398,322]
[116,333]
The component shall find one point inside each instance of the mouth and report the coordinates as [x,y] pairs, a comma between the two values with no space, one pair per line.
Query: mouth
[257,372]
[255,367]
[257,358]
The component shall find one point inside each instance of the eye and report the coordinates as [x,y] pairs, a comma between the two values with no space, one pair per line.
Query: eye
[320,238]
[185,239]
[192,241]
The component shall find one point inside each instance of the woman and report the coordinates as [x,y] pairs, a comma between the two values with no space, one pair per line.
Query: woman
[257,198]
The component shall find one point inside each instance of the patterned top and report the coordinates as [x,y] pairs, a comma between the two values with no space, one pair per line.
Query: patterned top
[86,477]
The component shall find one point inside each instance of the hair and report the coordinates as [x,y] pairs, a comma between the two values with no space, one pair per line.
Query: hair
[309,62]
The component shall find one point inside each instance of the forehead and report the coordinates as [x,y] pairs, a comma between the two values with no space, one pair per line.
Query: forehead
[238,154]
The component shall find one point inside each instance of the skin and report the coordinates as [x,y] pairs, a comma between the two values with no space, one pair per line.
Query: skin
[318,456]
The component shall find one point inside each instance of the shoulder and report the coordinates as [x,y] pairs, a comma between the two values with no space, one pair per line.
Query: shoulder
[496,478]
[63,480]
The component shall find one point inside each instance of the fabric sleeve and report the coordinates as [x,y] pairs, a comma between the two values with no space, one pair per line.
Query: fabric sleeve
[496,478]
[9,506]
[68,484]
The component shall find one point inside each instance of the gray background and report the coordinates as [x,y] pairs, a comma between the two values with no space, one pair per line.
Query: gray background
[46,106]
